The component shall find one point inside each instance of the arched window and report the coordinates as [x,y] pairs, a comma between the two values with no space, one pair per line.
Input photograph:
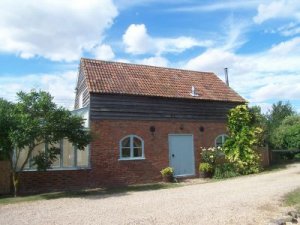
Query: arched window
[132,147]
[220,140]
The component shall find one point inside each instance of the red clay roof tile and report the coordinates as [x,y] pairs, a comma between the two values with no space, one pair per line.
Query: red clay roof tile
[124,78]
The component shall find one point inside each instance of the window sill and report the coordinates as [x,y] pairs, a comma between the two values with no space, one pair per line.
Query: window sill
[58,169]
[132,159]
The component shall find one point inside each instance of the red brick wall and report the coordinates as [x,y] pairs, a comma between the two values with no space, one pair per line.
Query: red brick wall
[4,177]
[107,170]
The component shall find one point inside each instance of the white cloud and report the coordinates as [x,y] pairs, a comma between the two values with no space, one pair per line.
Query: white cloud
[290,47]
[290,29]
[278,9]
[59,85]
[154,61]
[138,41]
[282,87]
[54,29]
[217,6]
[260,77]
[103,52]
[125,4]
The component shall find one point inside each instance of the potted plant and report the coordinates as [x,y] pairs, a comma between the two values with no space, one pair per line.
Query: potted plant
[205,170]
[167,174]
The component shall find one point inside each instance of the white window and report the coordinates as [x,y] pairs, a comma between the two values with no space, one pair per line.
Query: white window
[220,140]
[69,156]
[131,147]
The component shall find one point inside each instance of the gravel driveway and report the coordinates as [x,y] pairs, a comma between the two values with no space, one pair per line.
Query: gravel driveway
[243,200]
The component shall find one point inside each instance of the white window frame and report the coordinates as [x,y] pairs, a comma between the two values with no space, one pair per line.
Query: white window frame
[62,166]
[80,100]
[223,139]
[132,136]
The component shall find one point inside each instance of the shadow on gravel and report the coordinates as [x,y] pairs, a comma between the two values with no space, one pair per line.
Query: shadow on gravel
[97,193]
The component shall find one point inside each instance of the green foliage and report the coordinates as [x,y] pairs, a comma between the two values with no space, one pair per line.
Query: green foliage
[168,171]
[206,167]
[33,120]
[211,155]
[275,117]
[7,124]
[287,135]
[225,170]
[297,156]
[44,160]
[259,120]
[278,155]
[243,138]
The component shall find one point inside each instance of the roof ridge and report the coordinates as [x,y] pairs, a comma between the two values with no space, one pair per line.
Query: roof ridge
[136,64]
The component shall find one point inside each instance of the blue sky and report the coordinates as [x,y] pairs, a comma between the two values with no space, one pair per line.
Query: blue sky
[41,42]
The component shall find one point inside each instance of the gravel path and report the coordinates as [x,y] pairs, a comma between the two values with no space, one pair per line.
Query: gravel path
[244,200]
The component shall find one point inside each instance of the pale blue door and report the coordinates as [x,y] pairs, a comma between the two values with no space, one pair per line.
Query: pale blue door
[181,154]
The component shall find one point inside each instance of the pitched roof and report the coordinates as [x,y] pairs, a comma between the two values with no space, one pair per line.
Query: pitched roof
[132,79]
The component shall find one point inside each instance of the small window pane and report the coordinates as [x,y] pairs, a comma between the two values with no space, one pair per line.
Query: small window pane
[220,140]
[36,151]
[137,152]
[125,152]
[126,142]
[137,142]
[68,153]
[22,157]
[83,157]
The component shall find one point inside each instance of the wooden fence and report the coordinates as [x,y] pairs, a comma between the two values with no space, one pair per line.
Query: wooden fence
[264,156]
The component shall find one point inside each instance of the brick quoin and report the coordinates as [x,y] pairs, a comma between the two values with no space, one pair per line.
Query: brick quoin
[106,168]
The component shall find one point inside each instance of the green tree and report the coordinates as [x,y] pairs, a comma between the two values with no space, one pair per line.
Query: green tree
[287,135]
[38,120]
[275,116]
[259,120]
[7,124]
[239,148]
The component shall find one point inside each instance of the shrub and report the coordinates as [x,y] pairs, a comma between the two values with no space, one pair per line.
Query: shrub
[205,167]
[297,156]
[225,170]
[168,171]
[210,155]
[243,138]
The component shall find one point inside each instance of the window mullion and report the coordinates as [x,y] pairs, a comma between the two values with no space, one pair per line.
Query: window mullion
[131,146]
[61,153]
[75,156]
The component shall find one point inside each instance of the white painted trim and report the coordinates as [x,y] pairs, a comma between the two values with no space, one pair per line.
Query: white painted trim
[223,141]
[130,159]
[59,169]
[185,175]
[131,136]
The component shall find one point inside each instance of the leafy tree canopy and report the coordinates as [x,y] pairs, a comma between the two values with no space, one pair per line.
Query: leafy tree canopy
[275,116]
[287,135]
[7,124]
[33,120]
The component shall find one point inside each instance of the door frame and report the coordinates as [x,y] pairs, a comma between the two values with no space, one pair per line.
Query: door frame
[193,155]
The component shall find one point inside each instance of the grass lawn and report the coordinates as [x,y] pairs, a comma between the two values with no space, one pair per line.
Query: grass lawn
[88,192]
[293,199]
